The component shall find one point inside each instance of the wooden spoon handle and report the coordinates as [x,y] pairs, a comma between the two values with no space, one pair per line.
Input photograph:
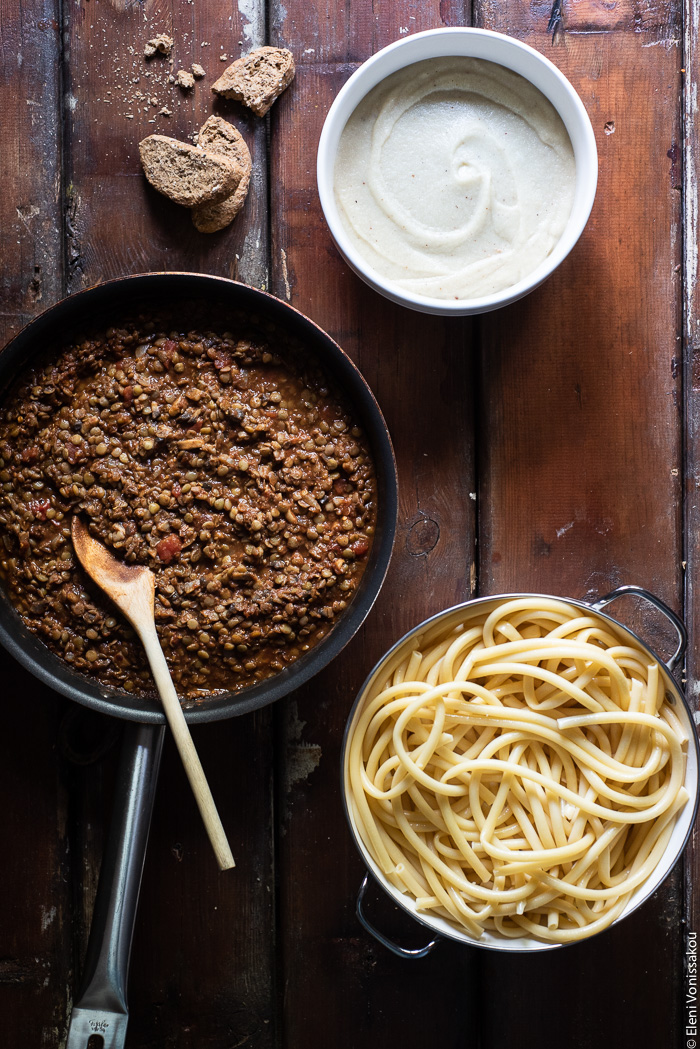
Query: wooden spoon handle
[183,739]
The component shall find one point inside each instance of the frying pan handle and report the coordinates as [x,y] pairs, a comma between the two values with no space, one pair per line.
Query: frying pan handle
[401,952]
[676,622]
[100,1015]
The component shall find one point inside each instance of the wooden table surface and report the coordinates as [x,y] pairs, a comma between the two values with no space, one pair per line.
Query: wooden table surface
[550,446]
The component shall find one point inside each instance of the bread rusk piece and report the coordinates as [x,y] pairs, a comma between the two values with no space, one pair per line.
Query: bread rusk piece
[161,44]
[258,78]
[188,174]
[218,136]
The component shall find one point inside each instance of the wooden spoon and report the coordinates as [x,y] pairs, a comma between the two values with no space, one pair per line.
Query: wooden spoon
[132,589]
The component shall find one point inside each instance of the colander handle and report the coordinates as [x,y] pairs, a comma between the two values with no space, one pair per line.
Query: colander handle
[639,591]
[401,952]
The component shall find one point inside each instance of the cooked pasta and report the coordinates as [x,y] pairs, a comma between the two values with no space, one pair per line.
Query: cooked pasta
[519,773]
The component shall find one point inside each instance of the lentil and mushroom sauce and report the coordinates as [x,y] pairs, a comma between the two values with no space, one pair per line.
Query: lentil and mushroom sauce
[225,462]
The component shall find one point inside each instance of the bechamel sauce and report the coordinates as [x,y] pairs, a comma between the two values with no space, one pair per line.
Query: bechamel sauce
[454,178]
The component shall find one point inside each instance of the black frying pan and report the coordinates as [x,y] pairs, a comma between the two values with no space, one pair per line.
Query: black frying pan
[100,1014]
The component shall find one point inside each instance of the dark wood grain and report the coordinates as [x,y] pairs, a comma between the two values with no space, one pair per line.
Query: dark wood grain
[35,957]
[348,990]
[580,475]
[202,971]
[37,904]
[30,163]
[551,446]
[204,950]
[118,223]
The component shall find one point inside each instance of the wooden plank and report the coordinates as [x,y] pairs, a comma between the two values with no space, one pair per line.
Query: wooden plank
[585,16]
[118,223]
[35,958]
[203,939]
[691,386]
[348,988]
[579,458]
[30,207]
[580,478]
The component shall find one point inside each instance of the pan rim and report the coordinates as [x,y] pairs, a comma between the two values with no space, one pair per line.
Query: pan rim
[36,657]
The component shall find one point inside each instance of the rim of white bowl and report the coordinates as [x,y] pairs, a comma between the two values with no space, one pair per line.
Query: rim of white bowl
[493,47]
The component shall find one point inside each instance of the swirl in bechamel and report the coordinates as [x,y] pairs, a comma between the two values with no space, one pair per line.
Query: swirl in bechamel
[454,178]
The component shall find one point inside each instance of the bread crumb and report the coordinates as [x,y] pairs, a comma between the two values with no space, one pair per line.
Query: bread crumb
[159,45]
[198,70]
[164,112]
[185,80]
[223,58]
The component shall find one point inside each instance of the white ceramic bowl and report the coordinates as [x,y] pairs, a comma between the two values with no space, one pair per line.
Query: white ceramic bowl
[448,619]
[493,47]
